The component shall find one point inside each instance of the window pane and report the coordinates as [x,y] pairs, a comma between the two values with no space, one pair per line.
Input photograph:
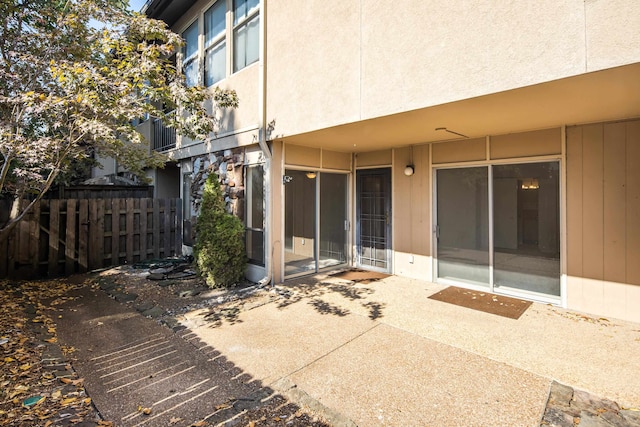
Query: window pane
[214,21]
[190,37]
[246,39]
[253,39]
[216,64]
[255,214]
[187,238]
[243,8]
[255,246]
[255,194]
[300,223]
[527,227]
[239,48]
[463,224]
[191,73]
[333,217]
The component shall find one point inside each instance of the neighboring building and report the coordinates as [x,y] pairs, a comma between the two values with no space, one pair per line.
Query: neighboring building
[487,144]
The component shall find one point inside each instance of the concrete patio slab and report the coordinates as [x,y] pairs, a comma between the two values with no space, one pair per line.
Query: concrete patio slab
[383,353]
[391,377]
[272,341]
[594,354]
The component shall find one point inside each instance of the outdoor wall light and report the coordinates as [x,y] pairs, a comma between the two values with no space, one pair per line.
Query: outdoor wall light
[311,175]
[530,184]
[408,171]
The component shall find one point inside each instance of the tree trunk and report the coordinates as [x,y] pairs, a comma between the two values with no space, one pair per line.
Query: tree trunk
[10,215]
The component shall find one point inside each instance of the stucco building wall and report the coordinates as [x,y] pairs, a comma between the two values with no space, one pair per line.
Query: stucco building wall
[361,59]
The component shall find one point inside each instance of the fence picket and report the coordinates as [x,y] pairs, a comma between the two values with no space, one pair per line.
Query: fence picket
[70,238]
[129,230]
[22,237]
[115,231]
[143,229]
[167,227]
[139,229]
[54,237]
[156,228]
[83,235]
[178,227]
[34,238]
[97,240]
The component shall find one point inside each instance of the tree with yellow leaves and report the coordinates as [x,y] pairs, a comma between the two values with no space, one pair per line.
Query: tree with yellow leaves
[73,75]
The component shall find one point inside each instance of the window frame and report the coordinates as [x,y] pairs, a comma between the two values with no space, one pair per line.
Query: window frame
[239,23]
[194,57]
[250,205]
[216,42]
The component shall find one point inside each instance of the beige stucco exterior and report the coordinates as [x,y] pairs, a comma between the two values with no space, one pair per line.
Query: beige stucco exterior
[329,66]
[396,84]
[365,85]
[238,127]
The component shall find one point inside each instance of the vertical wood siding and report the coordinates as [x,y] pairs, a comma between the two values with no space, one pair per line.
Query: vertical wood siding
[603,218]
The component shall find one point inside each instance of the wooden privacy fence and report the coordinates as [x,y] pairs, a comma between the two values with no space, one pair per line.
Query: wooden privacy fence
[76,235]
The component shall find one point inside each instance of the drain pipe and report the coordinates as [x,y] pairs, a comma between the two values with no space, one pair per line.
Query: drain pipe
[262,141]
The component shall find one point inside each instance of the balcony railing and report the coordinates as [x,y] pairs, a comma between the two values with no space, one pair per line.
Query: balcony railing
[164,138]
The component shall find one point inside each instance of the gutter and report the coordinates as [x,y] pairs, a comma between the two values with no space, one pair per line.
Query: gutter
[262,141]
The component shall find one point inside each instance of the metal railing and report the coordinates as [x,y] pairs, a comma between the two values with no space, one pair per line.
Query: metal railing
[164,138]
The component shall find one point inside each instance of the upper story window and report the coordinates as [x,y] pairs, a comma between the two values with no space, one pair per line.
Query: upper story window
[208,63]
[215,46]
[190,54]
[246,33]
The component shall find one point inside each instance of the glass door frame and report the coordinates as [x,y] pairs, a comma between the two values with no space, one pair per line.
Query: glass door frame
[316,248]
[557,300]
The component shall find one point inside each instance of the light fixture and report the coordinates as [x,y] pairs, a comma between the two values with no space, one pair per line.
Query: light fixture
[530,184]
[311,175]
[409,169]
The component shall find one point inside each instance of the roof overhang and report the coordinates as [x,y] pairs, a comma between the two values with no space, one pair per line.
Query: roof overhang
[606,95]
[168,11]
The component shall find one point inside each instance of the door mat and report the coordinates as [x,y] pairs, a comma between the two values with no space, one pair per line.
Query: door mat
[483,301]
[360,276]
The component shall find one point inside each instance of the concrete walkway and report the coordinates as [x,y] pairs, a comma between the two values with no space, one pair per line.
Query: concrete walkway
[382,353]
[379,353]
[140,373]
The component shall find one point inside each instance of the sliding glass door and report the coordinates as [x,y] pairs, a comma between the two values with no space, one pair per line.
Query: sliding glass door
[463,225]
[499,227]
[526,225]
[315,221]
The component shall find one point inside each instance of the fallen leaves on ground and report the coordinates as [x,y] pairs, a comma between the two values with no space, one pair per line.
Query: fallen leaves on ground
[30,392]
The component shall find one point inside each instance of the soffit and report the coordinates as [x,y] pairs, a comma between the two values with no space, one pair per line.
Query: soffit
[168,11]
[606,95]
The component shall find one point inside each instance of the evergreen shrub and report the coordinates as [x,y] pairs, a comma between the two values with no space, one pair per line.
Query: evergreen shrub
[219,249]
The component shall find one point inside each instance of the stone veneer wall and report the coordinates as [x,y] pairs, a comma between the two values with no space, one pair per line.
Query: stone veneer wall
[229,165]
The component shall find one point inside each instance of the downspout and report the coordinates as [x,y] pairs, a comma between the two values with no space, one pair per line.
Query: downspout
[262,140]
[262,86]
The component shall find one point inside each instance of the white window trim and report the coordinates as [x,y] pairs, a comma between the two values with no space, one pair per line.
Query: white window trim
[215,42]
[186,60]
[252,13]
[255,12]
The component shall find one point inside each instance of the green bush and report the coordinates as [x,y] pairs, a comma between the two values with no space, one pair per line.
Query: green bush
[219,249]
